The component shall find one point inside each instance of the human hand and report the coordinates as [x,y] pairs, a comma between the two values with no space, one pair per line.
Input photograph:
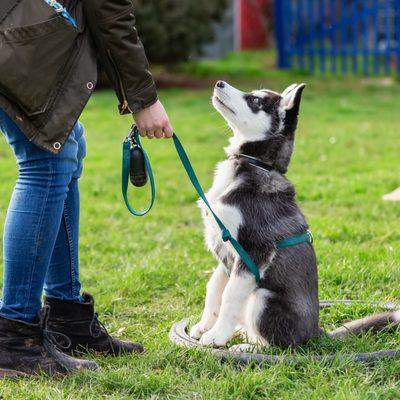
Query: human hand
[153,122]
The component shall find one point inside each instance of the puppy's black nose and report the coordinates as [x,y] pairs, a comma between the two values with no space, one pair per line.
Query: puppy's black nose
[220,84]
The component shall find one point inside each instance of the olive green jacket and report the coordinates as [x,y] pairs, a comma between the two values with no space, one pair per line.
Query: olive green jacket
[48,68]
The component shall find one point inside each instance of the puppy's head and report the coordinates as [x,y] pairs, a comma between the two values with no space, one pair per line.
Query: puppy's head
[263,121]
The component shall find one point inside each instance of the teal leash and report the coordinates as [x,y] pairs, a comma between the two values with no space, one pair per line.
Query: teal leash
[133,140]
[226,235]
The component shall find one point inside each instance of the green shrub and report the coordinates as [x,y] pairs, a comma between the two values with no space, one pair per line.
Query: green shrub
[173,30]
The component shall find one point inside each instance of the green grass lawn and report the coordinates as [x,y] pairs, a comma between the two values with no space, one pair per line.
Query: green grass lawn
[147,273]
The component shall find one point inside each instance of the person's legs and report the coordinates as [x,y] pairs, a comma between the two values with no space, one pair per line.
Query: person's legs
[62,279]
[33,220]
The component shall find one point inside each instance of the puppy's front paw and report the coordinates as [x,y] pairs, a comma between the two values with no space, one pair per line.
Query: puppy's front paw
[214,338]
[198,329]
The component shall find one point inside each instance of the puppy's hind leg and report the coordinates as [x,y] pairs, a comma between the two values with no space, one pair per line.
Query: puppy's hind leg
[215,288]
[255,309]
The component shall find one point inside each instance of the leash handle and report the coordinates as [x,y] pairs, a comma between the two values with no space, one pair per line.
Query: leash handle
[131,140]
[226,235]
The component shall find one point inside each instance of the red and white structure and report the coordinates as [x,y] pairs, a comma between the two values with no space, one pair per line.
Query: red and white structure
[251,23]
[246,25]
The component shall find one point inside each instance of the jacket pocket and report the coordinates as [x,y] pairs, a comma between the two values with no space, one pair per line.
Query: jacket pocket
[32,60]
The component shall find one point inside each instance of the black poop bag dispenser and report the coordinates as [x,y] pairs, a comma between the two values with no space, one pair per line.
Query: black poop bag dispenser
[138,172]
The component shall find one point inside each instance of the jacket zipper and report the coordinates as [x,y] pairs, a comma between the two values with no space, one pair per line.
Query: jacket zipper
[125,105]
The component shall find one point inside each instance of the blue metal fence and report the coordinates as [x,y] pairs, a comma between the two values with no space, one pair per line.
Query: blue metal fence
[340,36]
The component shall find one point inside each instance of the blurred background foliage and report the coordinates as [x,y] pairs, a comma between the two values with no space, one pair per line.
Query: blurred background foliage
[173,30]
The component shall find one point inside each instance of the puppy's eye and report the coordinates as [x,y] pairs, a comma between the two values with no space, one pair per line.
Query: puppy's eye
[255,100]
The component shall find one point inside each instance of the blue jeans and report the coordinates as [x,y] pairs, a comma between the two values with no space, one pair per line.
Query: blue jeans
[40,242]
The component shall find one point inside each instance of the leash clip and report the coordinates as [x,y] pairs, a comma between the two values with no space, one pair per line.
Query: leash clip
[132,137]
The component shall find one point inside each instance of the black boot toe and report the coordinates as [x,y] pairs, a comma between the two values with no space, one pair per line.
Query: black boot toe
[79,323]
[121,347]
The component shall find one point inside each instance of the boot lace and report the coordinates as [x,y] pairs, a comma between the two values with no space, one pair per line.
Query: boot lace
[97,329]
[54,339]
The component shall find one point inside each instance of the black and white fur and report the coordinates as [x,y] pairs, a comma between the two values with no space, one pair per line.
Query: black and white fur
[258,207]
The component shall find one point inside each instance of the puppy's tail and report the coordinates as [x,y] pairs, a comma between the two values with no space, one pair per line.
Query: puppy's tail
[375,323]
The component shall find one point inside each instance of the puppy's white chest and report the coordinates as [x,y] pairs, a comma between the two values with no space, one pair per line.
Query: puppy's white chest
[224,182]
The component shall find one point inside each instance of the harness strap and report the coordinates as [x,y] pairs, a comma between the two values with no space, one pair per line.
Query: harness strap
[294,240]
[225,234]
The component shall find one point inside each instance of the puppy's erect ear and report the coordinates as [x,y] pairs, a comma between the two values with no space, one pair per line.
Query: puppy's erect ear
[291,97]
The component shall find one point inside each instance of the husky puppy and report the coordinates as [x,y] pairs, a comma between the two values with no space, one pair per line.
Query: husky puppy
[256,202]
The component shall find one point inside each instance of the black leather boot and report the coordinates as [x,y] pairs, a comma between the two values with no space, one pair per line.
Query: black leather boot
[79,322]
[28,349]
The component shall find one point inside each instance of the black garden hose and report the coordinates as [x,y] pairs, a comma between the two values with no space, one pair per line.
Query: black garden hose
[179,336]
